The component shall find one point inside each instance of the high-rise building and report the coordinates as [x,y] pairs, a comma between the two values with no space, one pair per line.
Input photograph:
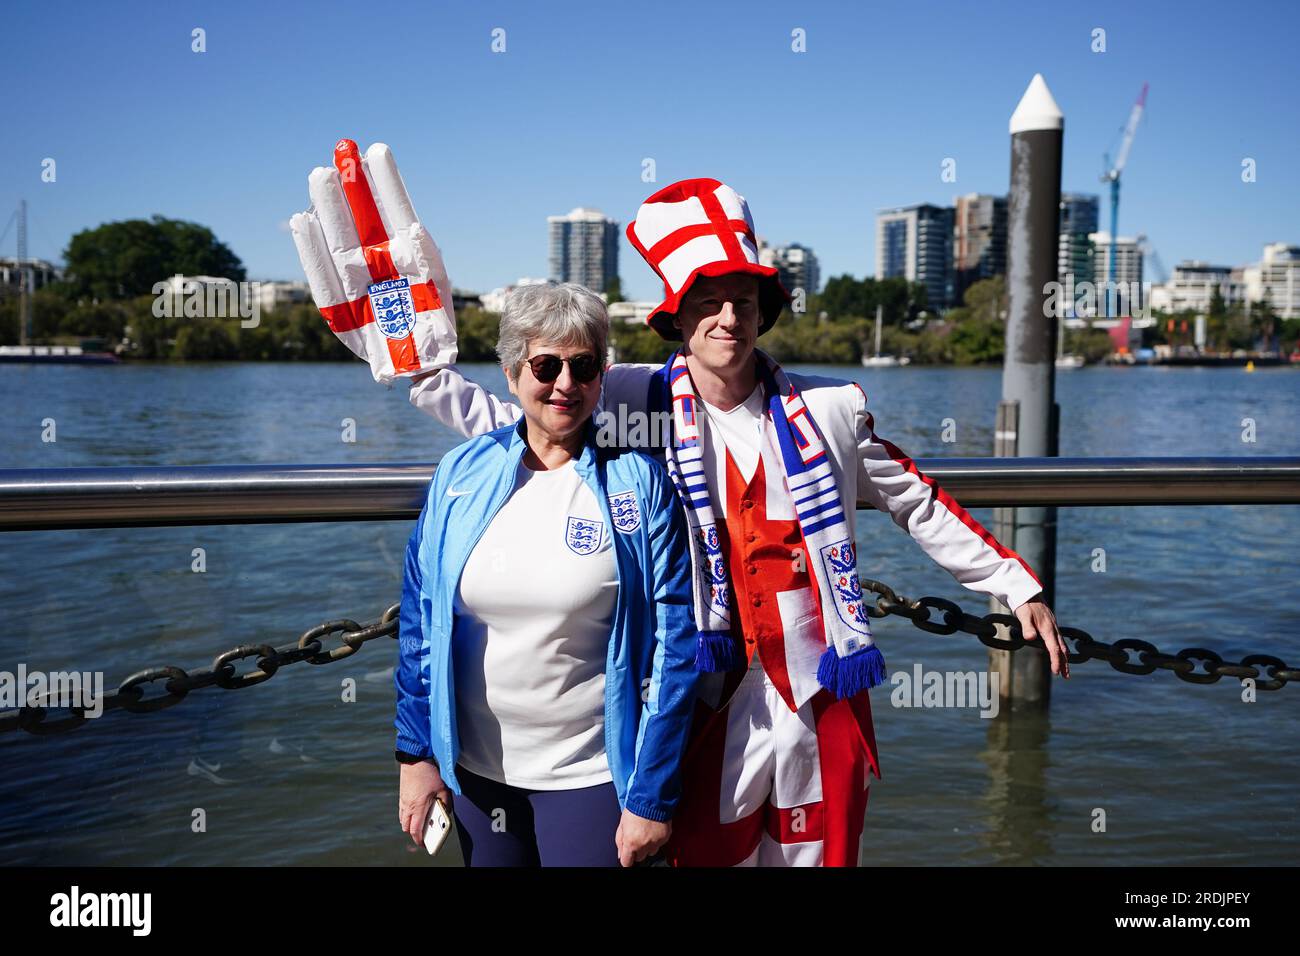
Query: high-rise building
[584,248]
[1276,280]
[979,240]
[1078,221]
[796,265]
[1128,274]
[915,242]
[1192,285]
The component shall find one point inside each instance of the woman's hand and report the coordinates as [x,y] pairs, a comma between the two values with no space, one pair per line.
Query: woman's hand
[1036,619]
[637,838]
[420,785]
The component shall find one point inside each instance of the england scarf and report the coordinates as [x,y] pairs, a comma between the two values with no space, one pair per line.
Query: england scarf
[851,662]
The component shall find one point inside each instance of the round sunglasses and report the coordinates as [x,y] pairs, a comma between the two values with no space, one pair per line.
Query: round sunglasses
[546,368]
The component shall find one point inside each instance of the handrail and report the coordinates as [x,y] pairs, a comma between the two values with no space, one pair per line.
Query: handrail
[76,498]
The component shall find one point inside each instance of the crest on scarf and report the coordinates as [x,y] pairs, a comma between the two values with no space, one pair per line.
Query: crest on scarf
[393,307]
[711,559]
[841,563]
[582,535]
[625,512]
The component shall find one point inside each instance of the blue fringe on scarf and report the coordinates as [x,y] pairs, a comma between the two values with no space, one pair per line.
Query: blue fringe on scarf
[717,651]
[846,676]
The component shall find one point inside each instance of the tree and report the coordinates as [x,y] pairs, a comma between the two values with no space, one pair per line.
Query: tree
[119,260]
[614,290]
[1218,308]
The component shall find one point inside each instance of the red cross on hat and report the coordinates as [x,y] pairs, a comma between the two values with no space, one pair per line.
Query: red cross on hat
[700,227]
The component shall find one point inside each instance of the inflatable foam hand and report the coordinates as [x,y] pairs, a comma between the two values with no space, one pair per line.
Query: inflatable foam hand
[375,273]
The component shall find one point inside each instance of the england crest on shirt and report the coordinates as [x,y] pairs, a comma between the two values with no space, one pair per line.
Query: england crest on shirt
[393,307]
[625,511]
[582,535]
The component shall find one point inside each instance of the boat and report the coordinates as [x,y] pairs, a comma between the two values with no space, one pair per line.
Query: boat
[55,355]
[878,360]
[1065,360]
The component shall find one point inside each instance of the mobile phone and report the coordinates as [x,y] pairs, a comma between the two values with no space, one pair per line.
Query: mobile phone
[437,827]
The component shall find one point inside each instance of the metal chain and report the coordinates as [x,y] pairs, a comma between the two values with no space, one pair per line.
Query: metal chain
[130,694]
[1087,648]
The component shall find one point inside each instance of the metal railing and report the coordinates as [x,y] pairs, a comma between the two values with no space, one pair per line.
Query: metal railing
[71,498]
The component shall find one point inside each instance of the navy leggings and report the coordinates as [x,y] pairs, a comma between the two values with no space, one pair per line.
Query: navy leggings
[500,825]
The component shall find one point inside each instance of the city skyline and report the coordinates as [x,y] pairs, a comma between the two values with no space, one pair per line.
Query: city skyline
[226,137]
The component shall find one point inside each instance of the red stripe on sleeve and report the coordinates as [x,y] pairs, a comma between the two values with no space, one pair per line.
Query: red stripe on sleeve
[948,501]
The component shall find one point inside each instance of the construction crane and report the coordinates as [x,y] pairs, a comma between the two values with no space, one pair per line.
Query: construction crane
[1151,257]
[1112,174]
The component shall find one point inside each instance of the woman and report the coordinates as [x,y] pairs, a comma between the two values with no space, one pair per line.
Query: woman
[547,642]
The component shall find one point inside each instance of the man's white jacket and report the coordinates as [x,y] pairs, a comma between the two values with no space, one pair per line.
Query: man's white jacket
[868,468]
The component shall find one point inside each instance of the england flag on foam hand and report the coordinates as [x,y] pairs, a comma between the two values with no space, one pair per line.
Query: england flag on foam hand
[375,273]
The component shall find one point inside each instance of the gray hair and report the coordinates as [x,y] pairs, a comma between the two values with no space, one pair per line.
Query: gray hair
[566,314]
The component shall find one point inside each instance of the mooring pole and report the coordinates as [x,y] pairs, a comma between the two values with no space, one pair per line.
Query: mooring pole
[1028,415]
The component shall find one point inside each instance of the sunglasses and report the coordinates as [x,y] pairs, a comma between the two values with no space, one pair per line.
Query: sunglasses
[546,368]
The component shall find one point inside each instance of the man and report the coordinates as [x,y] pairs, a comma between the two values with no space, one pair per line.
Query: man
[770,467]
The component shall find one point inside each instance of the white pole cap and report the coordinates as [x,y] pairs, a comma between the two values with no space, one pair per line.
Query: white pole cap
[1037,109]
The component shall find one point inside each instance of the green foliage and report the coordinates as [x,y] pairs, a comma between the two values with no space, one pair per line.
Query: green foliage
[845,297]
[977,341]
[207,339]
[476,335]
[804,339]
[640,343]
[1288,335]
[123,259]
[613,290]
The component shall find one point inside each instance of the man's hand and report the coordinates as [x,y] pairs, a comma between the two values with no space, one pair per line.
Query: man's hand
[420,785]
[1036,619]
[375,274]
[637,838]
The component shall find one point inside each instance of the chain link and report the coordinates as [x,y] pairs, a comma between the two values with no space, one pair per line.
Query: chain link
[132,694]
[1087,648]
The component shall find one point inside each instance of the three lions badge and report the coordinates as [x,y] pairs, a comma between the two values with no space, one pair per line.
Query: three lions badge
[393,307]
[625,512]
[582,535]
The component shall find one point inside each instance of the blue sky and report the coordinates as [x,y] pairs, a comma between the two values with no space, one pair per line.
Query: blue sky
[491,143]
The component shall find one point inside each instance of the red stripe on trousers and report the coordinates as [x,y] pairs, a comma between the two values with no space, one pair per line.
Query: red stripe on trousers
[846,745]
[699,837]
[842,756]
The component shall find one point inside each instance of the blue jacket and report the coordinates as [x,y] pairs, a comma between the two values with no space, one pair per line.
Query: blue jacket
[650,674]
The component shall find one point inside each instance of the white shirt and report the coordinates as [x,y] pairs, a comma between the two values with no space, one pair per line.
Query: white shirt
[739,430]
[531,630]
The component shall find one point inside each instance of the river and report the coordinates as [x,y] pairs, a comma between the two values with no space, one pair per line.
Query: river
[292,773]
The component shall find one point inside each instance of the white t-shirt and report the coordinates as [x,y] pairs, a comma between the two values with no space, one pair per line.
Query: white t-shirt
[531,630]
[739,430]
